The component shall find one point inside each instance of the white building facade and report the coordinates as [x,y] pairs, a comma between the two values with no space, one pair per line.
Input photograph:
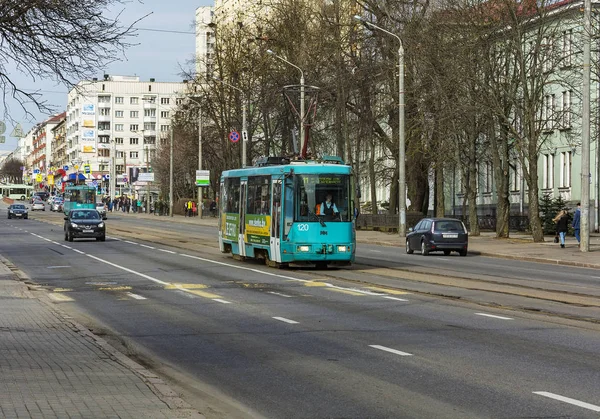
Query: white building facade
[205,40]
[121,115]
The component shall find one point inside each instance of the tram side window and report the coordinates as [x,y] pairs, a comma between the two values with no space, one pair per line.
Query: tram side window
[231,195]
[259,195]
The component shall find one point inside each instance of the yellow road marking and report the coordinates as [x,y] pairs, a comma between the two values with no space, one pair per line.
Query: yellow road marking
[388,291]
[185,286]
[59,297]
[118,288]
[315,284]
[203,294]
[62,289]
[359,294]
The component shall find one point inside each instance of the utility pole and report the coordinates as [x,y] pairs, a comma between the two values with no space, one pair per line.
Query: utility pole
[585,131]
[171,173]
[147,182]
[200,158]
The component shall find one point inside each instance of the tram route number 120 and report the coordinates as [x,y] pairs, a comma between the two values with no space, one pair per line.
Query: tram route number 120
[303,227]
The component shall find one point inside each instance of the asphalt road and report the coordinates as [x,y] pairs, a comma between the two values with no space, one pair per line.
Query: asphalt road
[302,344]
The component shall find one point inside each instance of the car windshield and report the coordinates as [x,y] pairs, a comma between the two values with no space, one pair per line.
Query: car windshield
[449,225]
[18,206]
[85,215]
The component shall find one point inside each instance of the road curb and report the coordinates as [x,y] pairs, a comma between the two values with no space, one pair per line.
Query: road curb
[539,260]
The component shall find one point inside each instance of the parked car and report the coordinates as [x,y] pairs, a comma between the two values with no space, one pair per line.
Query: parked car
[17,211]
[84,223]
[38,205]
[438,235]
[57,204]
[101,208]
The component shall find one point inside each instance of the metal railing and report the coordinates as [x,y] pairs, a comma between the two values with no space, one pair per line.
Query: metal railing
[387,222]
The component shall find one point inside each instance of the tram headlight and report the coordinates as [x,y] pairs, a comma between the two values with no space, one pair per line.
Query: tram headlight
[343,249]
[303,248]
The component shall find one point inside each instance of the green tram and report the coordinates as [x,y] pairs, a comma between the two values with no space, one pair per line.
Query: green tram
[79,196]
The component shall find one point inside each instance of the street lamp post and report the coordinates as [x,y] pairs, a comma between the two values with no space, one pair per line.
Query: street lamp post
[244,120]
[171,172]
[113,170]
[302,139]
[401,139]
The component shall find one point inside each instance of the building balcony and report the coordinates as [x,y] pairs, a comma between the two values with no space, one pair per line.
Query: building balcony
[103,118]
[103,131]
[104,105]
[150,118]
[149,105]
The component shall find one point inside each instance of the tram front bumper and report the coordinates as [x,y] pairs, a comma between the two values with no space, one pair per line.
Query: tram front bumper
[312,253]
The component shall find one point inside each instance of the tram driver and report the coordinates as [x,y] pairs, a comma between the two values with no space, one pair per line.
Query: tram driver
[328,207]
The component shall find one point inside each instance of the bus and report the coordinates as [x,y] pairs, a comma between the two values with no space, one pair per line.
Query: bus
[272,212]
[79,196]
[17,192]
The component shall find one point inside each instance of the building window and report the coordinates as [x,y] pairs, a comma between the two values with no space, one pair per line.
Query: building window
[118,114]
[164,100]
[150,126]
[164,128]
[134,114]
[567,47]
[118,127]
[548,174]
[119,167]
[566,109]
[119,100]
[150,112]
[489,176]
[149,99]
[119,140]
[565,169]
[105,111]
[515,178]
[164,114]
[103,126]
[134,100]
[120,154]
[149,140]
[134,127]
[133,154]
[133,141]
[103,99]
[179,101]
[103,139]
[103,168]
[103,153]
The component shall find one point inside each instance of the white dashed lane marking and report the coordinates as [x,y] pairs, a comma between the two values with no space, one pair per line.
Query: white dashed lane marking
[283,319]
[575,402]
[386,349]
[494,316]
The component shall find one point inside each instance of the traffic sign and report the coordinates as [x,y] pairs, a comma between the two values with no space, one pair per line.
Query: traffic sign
[65,168]
[94,183]
[87,169]
[36,171]
[17,132]
[234,136]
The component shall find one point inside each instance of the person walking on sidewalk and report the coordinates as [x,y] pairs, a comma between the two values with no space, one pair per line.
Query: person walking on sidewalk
[562,225]
[576,222]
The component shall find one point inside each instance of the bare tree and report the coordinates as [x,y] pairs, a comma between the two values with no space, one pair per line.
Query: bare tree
[62,40]
[12,171]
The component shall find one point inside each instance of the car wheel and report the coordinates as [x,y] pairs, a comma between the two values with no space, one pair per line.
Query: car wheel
[9,217]
[103,238]
[408,249]
[66,236]
[70,236]
[424,250]
[44,209]
[463,252]
[446,252]
[26,217]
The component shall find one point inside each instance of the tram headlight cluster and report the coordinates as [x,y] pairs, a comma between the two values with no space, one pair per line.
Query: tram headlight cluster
[303,249]
[342,249]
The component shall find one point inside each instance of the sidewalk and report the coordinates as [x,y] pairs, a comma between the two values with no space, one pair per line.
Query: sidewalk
[519,246]
[52,367]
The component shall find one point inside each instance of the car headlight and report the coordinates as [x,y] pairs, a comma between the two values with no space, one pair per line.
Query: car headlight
[303,248]
[74,225]
[101,225]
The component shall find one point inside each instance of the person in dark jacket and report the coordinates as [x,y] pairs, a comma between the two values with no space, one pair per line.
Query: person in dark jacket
[562,225]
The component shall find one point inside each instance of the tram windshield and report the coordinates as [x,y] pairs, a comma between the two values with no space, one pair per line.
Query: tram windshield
[322,197]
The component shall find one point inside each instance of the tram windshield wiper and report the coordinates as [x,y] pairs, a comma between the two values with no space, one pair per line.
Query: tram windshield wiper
[317,218]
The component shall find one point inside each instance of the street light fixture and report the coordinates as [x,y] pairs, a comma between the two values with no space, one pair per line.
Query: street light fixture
[302,139]
[401,140]
[244,120]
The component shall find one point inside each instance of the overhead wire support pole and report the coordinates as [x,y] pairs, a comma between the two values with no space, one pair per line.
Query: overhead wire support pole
[401,129]
[585,131]
[302,135]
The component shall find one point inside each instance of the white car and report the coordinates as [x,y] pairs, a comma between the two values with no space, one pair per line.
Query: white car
[38,205]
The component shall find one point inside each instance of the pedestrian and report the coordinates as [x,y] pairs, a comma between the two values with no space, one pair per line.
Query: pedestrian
[562,225]
[185,209]
[576,223]
[213,208]
[193,208]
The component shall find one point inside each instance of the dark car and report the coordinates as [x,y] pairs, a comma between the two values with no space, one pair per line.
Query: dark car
[438,235]
[42,196]
[84,223]
[17,211]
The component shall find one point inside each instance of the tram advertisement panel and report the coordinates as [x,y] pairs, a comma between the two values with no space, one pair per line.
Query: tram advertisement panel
[231,223]
[258,228]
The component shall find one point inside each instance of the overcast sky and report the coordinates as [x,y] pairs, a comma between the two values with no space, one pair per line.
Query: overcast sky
[159,55]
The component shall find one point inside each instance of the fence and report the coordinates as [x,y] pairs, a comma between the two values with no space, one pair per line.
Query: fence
[387,222]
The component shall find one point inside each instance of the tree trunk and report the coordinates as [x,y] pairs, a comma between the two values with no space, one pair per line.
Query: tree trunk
[440,208]
[372,178]
[394,193]
[537,232]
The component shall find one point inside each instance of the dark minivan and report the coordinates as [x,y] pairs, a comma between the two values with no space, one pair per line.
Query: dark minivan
[438,235]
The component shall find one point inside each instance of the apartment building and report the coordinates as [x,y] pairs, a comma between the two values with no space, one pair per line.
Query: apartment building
[122,115]
[59,144]
[205,39]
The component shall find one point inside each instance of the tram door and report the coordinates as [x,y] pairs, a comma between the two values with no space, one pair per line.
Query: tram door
[275,234]
[242,228]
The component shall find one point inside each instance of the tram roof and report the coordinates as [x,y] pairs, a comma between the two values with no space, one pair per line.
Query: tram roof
[298,168]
